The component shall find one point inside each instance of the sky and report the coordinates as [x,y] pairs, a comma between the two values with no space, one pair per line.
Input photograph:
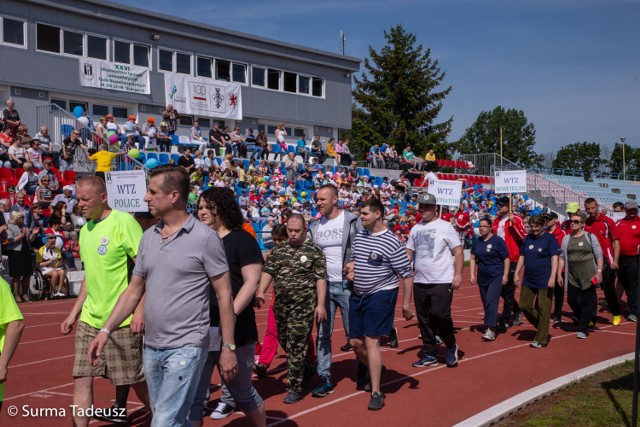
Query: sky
[572,66]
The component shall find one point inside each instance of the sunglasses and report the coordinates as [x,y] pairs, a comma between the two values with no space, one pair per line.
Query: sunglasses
[76,133]
[575,221]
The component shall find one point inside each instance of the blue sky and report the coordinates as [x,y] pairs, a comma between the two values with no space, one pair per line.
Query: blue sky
[572,66]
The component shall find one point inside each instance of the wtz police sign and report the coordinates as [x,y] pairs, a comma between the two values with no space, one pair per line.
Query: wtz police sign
[126,190]
[511,182]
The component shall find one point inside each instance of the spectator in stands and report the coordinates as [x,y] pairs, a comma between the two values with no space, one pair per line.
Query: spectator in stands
[149,133]
[49,261]
[215,138]
[186,161]
[43,193]
[375,157]
[55,227]
[539,258]
[430,158]
[54,184]
[301,145]
[101,130]
[331,149]
[104,159]
[267,239]
[28,181]
[6,138]
[17,153]
[262,142]
[132,128]
[69,146]
[345,157]
[19,245]
[410,159]
[292,166]
[226,140]
[11,117]
[23,133]
[47,147]
[5,205]
[236,139]
[21,207]
[252,145]
[77,218]
[281,133]
[111,125]
[196,135]
[35,154]
[171,116]
[198,160]
[163,138]
[317,151]
[59,211]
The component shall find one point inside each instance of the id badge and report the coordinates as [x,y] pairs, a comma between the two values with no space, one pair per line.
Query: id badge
[374,259]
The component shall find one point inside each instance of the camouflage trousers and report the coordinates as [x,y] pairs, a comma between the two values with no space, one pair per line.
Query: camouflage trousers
[294,319]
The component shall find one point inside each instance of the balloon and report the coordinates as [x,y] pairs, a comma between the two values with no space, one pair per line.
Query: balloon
[151,163]
[113,138]
[78,111]
[133,153]
[84,121]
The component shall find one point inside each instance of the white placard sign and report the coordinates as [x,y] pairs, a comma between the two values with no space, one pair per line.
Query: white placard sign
[448,193]
[616,216]
[511,182]
[109,75]
[126,190]
[207,97]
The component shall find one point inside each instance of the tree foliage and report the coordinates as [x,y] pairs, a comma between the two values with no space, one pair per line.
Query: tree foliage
[396,97]
[518,136]
[583,156]
[631,158]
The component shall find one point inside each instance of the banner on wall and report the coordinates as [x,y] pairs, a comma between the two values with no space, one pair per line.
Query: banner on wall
[109,75]
[203,96]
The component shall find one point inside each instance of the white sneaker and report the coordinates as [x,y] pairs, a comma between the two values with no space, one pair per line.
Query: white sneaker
[489,335]
[222,411]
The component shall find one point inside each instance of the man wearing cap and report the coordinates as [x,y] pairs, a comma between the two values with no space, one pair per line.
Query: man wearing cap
[604,228]
[628,234]
[149,132]
[435,248]
[571,209]
[558,291]
[131,128]
[510,228]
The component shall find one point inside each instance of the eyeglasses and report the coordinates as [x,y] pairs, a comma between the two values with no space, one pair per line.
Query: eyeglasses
[51,237]
[76,133]
[575,221]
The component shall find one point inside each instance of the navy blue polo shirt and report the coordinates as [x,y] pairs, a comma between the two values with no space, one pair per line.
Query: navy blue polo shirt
[490,257]
[537,252]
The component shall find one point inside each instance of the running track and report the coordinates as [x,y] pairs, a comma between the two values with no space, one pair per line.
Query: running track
[488,373]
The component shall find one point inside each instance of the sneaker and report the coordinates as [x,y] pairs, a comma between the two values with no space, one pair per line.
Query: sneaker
[536,344]
[428,360]
[292,397]
[517,319]
[260,369]
[115,414]
[616,320]
[581,335]
[393,338]
[452,356]
[363,381]
[377,401]
[632,318]
[557,319]
[325,387]
[347,347]
[489,335]
[222,411]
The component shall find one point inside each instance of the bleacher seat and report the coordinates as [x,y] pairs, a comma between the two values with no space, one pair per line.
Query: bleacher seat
[152,155]
[163,158]
[66,130]
[175,157]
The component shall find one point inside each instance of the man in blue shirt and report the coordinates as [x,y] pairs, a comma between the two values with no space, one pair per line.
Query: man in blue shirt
[376,159]
[302,148]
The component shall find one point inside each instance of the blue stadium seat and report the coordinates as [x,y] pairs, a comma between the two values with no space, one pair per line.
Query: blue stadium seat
[66,130]
[175,139]
[175,157]
[163,158]
[152,155]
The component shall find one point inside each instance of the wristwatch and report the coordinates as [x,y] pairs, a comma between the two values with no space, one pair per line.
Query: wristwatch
[231,347]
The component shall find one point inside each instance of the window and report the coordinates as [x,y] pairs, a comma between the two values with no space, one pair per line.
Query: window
[203,66]
[13,31]
[186,120]
[73,43]
[60,103]
[271,130]
[318,86]
[141,55]
[122,52]
[223,70]
[261,128]
[303,84]
[257,76]
[290,80]
[48,38]
[165,60]
[74,104]
[97,47]
[183,63]
[239,73]
[204,122]
[100,110]
[297,132]
[273,79]
[120,112]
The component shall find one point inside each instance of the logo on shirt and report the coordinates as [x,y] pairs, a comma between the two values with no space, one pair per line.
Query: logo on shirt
[102,250]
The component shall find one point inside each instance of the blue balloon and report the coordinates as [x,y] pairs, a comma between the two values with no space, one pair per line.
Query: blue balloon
[78,111]
[151,163]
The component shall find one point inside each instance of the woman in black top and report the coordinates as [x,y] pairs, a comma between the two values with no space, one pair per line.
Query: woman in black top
[218,209]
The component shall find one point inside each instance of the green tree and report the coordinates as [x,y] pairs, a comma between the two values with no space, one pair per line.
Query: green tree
[396,97]
[631,159]
[518,136]
[583,156]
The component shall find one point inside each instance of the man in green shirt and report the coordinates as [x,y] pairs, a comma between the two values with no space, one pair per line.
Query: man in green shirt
[11,326]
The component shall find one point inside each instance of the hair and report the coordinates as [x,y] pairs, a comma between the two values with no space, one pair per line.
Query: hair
[222,202]
[537,220]
[618,205]
[279,231]
[13,217]
[374,205]
[298,217]
[487,220]
[57,209]
[27,166]
[331,188]
[93,181]
[174,178]
[53,220]
[582,215]
[590,200]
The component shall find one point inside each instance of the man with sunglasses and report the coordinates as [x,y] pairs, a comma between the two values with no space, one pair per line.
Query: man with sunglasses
[69,146]
[47,172]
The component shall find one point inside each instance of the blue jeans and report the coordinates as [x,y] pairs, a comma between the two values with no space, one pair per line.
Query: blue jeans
[172,378]
[255,150]
[337,296]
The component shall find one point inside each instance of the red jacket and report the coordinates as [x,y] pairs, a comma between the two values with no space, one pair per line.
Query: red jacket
[628,233]
[514,234]
[603,227]
[558,234]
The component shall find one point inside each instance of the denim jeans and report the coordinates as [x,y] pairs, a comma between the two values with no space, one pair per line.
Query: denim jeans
[172,378]
[337,296]
[256,152]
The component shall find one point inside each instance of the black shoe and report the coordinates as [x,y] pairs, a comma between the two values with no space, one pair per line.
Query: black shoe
[347,347]
[114,414]
[292,397]
[377,401]
[260,369]
[393,338]
[557,319]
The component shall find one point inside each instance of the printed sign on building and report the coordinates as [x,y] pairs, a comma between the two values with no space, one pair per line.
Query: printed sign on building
[203,96]
[118,77]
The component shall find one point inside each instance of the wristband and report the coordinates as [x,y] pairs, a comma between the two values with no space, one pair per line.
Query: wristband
[599,271]
[106,331]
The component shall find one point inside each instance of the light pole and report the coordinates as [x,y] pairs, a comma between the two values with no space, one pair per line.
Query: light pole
[624,162]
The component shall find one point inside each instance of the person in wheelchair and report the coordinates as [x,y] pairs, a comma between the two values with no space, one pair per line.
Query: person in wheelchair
[49,261]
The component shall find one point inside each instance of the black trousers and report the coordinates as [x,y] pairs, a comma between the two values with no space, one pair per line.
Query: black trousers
[433,307]
[510,305]
[609,288]
[581,302]
[628,277]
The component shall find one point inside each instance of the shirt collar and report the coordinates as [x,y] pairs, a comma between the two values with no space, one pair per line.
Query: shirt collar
[187,226]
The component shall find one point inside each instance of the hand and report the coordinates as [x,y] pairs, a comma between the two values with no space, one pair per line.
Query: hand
[457,281]
[560,281]
[510,216]
[598,277]
[516,280]
[473,279]
[228,364]
[320,314]
[407,313]
[96,347]
[614,265]
[505,280]
[260,300]
[137,322]
[551,283]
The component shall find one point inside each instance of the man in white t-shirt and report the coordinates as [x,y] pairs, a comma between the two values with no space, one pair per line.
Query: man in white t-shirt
[435,247]
[334,234]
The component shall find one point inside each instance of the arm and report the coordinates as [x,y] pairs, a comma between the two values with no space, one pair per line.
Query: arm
[616,254]
[554,271]
[137,322]
[251,278]
[507,266]
[14,330]
[458,264]
[228,363]
[67,324]
[559,275]
[320,313]
[265,281]
[516,275]
[472,267]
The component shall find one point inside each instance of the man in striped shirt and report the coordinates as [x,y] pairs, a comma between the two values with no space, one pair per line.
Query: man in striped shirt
[377,259]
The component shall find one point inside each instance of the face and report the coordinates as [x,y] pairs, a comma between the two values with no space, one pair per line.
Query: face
[206,214]
[159,201]
[536,229]
[91,201]
[369,218]
[20,220]
[485,228]
[576,223]
[326,201]
[75,135]
[292,156]
[20,198]
[44,131]
[51,241]
[592,209]
[503,209]
[296,231]
[47,165]
[427,212]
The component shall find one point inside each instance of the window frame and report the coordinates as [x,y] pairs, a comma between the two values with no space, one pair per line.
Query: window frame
[173,60]
[175,67]
[264,76]
[131,53]
[24,32]
[106,45]
[211,69]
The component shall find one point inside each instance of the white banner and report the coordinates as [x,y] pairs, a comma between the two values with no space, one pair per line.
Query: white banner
[109,75]
[448,193]
[511,182]
[126,190]
[207,97]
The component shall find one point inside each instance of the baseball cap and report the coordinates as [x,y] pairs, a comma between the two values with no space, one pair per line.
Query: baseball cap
[503,201]
[573,207]
[427,199]
[631,204]
[132,117]
[151,119]
[551,215]
[67,187]
[110,116]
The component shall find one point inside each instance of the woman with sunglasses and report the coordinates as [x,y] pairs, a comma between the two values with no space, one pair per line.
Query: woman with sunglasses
[581,259]
[490,255]
[539,257]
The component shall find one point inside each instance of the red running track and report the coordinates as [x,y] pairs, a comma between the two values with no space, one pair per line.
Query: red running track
[488,372]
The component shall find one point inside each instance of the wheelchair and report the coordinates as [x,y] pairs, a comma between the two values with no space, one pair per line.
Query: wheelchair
[40,286]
